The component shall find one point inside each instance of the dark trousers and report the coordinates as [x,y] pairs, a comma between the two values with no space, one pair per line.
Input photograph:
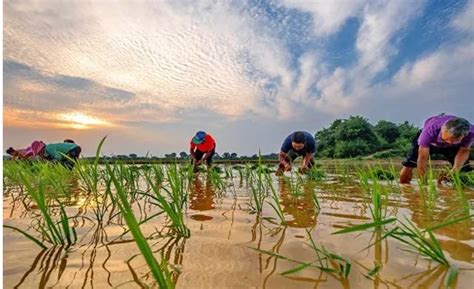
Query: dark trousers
[292,155]
[198,155]
[74,155]
[448,152]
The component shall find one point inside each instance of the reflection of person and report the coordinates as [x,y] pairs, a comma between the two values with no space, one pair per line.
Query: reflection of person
[201,198]
[300,207]
[299,143]
[202,149]
[447,135]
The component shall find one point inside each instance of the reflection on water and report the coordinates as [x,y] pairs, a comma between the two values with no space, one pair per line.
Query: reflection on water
[218,254]
[299,206]
[201,197]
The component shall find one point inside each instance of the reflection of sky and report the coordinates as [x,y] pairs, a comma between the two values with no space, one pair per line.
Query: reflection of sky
[157,72]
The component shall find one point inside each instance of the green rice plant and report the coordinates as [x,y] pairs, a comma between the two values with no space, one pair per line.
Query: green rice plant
[216,179]
[176,188]
[91,174]
[258,193]
[315,200]
[325,260]
[316,174]
[160,271]
[276,201]
[240,170]
[425,243]
[53,232]
[257,189]
[92,177]
[458,184]
[294,182]
[377,208]
[175,206]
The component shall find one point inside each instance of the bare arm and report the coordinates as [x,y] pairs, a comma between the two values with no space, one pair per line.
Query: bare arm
[422,162]
[307,159]
[461,157]
[282,157]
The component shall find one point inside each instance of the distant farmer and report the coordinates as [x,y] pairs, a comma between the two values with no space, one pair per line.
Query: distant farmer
[202,149]
[32,152]
[299,143]
[447,135]
[66,153]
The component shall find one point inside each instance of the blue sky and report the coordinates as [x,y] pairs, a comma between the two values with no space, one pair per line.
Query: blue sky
[150,74]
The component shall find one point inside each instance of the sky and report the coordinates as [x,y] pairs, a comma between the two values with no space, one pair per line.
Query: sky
[150,74]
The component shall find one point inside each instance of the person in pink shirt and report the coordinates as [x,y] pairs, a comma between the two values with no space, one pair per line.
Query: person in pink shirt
[447,135]
[34,151]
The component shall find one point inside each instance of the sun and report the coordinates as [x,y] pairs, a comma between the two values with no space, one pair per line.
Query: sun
[79,120]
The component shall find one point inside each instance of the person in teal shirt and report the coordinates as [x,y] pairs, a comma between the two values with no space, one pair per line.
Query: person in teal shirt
[66,153]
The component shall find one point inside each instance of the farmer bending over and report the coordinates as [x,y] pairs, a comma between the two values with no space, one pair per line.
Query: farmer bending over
[299,143]
[66,153]
[447,135]
[202,148]
[32,152]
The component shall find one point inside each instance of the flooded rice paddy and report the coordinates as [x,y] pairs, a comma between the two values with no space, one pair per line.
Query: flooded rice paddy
[231,243]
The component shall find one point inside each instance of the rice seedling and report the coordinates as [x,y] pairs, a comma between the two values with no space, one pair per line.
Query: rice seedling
[425,243]
[173,208]
[53,232]
[216,179]
[316,174]
[377,208]
[276,201]
[257,189]
[160,271]
[325,260]
[294,182]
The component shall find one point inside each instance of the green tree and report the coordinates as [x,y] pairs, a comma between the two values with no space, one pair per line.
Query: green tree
[388,131]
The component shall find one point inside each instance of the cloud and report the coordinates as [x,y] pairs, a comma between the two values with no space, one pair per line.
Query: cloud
[465,20]
[178,56]
[328,16]
[148,65]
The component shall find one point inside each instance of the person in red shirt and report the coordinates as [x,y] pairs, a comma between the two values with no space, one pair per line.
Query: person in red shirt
[202,148]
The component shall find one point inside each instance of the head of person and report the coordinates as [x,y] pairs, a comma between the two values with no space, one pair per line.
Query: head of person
[454,130]
[199,137]
[298,140]
[69,141]
[11,151]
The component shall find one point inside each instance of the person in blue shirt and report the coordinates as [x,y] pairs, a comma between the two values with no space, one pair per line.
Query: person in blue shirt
[299,143]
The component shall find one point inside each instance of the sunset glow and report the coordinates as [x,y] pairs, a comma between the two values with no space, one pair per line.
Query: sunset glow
[79,120]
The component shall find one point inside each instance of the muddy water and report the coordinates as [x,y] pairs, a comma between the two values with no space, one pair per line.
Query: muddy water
[220,254]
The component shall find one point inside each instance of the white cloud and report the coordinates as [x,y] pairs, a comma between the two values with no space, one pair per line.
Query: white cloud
[328,16]
[465,20]
[213,56]
[178,56]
